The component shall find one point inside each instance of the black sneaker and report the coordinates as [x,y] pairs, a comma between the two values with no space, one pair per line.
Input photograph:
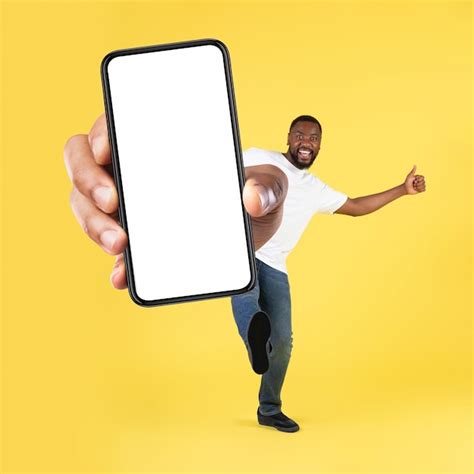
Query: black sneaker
[257,336]
[279,421]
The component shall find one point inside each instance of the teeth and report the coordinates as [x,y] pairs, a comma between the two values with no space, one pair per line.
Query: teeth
[305,152]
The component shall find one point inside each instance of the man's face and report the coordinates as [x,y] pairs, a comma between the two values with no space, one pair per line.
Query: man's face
[303,143]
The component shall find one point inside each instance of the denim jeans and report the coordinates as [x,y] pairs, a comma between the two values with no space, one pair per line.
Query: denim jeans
[271,295]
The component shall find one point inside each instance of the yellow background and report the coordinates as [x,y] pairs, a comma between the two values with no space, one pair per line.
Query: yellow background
[380,375]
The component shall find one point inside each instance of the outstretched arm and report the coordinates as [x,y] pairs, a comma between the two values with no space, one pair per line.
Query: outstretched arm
[414,184]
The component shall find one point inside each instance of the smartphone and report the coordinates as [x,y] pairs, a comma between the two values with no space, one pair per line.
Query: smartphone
[177,163]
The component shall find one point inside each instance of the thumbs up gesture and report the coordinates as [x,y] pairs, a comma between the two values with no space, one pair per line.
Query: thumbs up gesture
[414,183]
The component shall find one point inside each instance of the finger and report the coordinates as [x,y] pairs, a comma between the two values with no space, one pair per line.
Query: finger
[413,171]
[265,189]
[118,277]
[100,227]
[258,198]
[264,195]
[88,177]
[99,141]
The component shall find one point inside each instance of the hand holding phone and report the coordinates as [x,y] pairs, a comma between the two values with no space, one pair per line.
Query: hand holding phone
[94,198]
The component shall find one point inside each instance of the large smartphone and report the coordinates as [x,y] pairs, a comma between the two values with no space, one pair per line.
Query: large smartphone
[177,162]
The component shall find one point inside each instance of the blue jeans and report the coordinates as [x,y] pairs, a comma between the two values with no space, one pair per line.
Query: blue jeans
[271,295]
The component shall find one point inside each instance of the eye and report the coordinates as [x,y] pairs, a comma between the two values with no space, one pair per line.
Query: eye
[314,139]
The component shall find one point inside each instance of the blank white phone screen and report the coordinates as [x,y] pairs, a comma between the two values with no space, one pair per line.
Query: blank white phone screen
[179,174]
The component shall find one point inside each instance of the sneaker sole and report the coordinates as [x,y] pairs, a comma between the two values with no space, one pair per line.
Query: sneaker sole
[294,429]
[258,335]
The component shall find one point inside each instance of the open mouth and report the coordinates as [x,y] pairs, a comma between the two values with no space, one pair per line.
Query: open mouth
[305,154]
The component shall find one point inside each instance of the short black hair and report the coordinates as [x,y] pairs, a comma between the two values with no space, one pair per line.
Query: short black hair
[306,118]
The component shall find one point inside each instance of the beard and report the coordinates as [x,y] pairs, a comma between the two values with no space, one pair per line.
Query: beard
[300,162]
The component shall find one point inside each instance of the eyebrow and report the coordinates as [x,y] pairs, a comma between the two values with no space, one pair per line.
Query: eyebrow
[312,134]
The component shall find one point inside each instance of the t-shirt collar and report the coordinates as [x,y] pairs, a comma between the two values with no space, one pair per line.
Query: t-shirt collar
[291,167]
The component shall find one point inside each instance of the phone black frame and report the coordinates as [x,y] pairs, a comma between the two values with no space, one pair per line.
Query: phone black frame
[117,174]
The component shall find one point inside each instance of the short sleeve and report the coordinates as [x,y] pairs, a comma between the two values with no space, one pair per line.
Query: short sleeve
[255,157]
[328,200]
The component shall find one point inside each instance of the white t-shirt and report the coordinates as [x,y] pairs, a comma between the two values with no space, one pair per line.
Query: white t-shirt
[307,195]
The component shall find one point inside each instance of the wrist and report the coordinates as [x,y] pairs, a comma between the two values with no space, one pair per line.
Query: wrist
[403,189]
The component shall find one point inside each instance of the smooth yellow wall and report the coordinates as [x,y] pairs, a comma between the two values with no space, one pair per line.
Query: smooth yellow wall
[380,377]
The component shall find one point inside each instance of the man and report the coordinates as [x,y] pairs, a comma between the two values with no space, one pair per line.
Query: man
[263,315]
[280,196]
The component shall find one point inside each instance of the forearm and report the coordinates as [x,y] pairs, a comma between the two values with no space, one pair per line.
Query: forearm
[368,204]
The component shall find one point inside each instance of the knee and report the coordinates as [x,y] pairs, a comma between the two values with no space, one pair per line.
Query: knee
[281,346]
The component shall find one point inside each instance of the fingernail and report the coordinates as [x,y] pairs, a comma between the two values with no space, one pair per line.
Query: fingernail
[267,197]
[109,238]
[97,144]
[263,195]
[102,195]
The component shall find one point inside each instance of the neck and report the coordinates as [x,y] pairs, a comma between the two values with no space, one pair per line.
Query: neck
[287,155]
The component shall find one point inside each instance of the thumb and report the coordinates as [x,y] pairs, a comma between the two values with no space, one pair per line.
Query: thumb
[413,171]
